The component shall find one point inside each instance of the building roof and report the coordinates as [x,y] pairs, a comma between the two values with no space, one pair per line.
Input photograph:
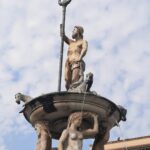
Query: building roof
[128,143]
[136,138]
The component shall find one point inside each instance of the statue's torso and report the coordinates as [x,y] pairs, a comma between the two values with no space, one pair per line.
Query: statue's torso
[74,51]
[75,141]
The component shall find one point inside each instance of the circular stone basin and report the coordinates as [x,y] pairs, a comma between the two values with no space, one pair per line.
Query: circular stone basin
[56,108]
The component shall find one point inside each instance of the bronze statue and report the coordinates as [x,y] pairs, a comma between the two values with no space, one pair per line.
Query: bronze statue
[72,137]
[75,66]
[44,136]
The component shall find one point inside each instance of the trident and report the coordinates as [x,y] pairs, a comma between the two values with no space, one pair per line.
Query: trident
[64,4]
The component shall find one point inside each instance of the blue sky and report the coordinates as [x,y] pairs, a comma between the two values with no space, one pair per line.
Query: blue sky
[118,33]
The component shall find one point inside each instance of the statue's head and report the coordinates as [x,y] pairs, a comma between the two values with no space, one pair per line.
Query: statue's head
[75,118]
[77,32]
[18,98]
[89,77]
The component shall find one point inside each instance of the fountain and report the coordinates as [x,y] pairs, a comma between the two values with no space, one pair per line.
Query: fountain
[77,113]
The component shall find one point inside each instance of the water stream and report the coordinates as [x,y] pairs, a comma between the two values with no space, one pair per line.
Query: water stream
[122,135]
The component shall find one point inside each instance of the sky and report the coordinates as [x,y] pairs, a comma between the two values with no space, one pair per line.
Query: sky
[118,35]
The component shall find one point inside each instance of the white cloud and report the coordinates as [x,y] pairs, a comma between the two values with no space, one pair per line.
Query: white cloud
[118,33]
[2,145]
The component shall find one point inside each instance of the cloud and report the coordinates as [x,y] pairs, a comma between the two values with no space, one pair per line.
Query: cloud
[2,146]
[118,55]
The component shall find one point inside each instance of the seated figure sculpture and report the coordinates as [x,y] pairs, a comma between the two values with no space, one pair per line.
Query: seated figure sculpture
[72,137]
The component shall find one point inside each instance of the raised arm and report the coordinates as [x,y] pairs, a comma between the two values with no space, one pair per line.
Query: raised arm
[65,38]
[62,139]
[90,133]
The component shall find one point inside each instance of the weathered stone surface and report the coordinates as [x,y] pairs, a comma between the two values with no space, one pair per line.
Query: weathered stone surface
[56,107]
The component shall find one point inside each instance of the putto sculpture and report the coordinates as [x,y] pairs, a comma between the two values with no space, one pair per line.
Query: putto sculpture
[78,113]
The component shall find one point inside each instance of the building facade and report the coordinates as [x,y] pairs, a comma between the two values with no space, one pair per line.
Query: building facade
[140,143]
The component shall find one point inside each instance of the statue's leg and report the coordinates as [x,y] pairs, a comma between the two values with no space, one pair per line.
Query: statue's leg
[77,71]
[75,74]
[45,141]
[100,141]
[67,74]
[44,137]
[38,145]
[37,128]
